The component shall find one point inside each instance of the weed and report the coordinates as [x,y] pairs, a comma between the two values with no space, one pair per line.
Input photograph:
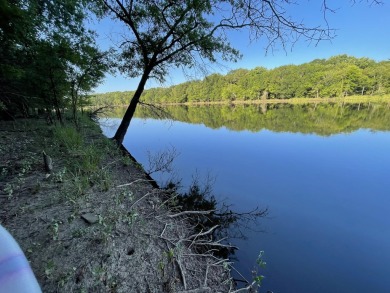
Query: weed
[49,268]
[261,263]
[161,266]
[78,233]
[55,226]
[126,160]
[124,194]
[170,255]
[9,190]
[107,229]
[4,172]
[68,137]
[130,218]
[98,272]
[103,178]
[79,184]
[91,157]
[59,176]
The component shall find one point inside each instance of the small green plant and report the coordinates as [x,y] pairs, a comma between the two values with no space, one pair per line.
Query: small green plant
[4,172]
[123,195]
[161,267]
[79,184]
[261,263]
[55,226]
[126,160]
[49,268]
[78,233]
[170,255]
[103,178]
[9,190]
[106,227]
[60,175]
[130,218]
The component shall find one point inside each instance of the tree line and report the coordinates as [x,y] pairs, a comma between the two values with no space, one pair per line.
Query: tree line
[338,76]
[49,60]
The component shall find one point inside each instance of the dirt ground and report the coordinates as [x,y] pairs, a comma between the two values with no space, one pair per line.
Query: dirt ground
[107,230]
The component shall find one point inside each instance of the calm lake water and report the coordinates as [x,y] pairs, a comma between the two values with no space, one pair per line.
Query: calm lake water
[323,171]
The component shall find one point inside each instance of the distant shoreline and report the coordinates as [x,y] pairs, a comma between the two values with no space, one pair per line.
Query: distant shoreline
[347,100]
[351,99]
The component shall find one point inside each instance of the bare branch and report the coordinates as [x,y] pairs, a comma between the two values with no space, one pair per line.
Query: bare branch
[138,200]
[191,213]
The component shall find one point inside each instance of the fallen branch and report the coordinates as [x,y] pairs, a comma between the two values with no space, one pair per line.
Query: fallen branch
[135,181]
[165,227]
[216,244]
[203,233]
[138,200]
[191,213]
[183,277]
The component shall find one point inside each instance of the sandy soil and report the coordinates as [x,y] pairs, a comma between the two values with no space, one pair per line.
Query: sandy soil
[105,231]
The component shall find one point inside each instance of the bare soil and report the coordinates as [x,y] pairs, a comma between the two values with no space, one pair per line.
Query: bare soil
[108,233]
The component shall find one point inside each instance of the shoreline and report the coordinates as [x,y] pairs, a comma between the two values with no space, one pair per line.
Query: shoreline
[95,224]
[343,100]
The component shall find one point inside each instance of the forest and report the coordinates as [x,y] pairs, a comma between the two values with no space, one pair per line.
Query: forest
[49,59]
[338,76]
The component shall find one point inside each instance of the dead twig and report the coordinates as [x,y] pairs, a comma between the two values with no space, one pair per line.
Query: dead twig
[191,213]
[245,289]
[183,277]
[138,200]
[204,233]
[135,181]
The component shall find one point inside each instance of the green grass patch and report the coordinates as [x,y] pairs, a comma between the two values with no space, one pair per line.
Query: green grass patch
[91,157]
[68,137]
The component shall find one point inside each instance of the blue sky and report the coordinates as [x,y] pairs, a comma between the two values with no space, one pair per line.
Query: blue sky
[362,31]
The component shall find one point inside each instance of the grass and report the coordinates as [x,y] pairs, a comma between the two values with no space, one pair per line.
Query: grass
[83,160]
[69,137]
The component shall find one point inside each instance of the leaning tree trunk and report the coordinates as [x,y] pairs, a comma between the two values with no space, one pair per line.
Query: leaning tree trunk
[121,132]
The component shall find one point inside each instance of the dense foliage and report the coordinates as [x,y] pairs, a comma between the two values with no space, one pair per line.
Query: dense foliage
[48,59]
[338,76]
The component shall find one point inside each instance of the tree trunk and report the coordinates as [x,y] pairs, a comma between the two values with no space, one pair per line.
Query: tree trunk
[121,132]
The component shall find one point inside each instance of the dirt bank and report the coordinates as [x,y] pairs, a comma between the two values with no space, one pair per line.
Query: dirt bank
[95,223]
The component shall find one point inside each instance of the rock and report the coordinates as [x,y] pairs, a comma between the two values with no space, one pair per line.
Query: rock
[48,162]
[90,218]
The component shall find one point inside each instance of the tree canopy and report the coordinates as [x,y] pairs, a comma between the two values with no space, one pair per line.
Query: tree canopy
[48,59]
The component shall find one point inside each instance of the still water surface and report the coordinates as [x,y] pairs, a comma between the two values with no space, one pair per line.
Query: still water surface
[324,176]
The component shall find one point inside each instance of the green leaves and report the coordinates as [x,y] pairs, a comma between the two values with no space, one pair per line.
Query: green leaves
[47,56]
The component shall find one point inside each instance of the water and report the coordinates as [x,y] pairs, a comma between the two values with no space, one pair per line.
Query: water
[324,179]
